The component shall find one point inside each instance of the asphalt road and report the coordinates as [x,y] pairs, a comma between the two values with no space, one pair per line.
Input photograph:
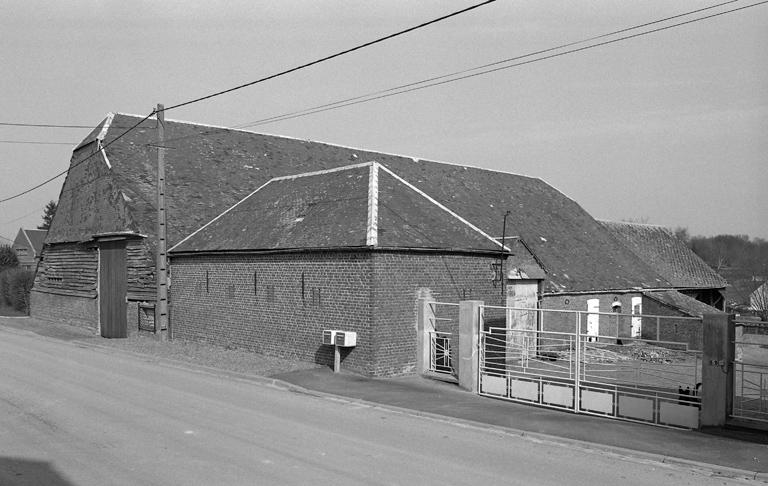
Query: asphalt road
[73,414]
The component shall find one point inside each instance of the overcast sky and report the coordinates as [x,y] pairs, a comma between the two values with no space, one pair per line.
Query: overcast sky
[667,129]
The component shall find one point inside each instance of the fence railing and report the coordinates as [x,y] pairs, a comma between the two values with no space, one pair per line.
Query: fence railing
[750,370]
[589,363]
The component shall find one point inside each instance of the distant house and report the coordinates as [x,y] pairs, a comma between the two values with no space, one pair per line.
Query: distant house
[105,226]
[28,246]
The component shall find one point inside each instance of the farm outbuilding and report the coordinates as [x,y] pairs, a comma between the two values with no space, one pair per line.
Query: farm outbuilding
[98,267]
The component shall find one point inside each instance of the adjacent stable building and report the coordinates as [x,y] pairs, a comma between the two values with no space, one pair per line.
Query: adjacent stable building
[431,228]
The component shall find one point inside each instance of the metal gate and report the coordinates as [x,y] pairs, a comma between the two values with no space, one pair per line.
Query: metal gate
[750,371]
[566,366]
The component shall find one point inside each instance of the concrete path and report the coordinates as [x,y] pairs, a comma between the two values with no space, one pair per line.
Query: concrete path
[744,454]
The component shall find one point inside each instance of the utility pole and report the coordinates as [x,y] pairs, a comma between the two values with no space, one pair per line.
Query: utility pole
[161,303]
[501,252]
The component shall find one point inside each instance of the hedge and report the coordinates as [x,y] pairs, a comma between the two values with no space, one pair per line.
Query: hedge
[15,286]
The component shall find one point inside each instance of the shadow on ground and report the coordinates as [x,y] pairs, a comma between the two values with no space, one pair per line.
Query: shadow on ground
[21,472]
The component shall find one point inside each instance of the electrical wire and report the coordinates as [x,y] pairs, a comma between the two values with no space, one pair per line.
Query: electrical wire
[33,142]
[80,162]
[332,56]
[261,80]
[419,85]
[42,125]
[287,116]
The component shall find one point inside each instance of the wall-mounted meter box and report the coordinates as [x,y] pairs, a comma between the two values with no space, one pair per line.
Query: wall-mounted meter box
[345,338]
[329,336]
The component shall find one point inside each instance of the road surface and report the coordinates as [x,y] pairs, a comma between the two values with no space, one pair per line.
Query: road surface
[74,414]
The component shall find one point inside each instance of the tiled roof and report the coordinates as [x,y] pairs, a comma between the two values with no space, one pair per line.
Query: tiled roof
[681,302]
[361,205]
[667,254]
[210,169]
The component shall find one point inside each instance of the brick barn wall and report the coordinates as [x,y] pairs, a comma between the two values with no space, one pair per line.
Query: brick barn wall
[677,330]
[578,302]
[216,300]
[399,278]
[69,309]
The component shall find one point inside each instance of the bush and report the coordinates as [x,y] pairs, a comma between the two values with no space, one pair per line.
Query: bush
[15,286]
[7,257]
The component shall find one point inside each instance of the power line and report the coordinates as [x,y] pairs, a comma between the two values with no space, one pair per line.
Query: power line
[79,163]
[414,86]
[332,56]
[42,125]
[433,81]
[261,80]
[33,142]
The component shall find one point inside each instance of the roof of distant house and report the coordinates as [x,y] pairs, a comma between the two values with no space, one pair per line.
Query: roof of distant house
[210,169]
[681,302]
[667,254]
[33,238]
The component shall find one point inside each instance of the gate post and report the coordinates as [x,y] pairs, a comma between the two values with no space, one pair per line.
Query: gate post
[424,329]
[716,372]
[470,323]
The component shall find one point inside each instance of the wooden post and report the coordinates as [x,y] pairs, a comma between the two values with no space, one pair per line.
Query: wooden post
[161,303]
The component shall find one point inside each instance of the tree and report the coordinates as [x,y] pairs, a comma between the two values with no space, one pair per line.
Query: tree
[48,212]
[682,234]
[7,257]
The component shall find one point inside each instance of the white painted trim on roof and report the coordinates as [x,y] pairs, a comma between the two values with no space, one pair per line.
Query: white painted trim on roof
[102,134]
[31,246]
[372,229]
[275,179]
[105,127]
[104,154]
[219,216]
[324,171]
[349,147]
[436,203]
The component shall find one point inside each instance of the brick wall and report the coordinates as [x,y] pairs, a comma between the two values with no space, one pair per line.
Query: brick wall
[567,322]
[216,300]
[73,310]
[677,330]
[275,304]
[399,279]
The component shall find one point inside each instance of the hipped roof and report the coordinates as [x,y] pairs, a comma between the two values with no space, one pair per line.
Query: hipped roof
[209,169]
[362,205]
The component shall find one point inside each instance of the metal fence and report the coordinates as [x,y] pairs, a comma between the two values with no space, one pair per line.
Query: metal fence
[750,370]
[443,337]
[594,363]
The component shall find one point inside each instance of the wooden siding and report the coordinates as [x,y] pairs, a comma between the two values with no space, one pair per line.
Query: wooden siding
[141,270]
[69,268]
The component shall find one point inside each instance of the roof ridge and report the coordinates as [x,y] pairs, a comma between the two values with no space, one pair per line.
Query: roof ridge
[349,147]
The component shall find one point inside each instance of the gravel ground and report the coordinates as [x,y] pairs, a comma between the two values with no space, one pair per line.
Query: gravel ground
[234,360]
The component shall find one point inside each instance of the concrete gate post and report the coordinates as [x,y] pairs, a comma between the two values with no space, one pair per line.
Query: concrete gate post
[424,329]
[716,372]
[470,323]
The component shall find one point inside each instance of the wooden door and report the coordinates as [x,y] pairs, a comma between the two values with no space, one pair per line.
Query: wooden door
[112,288]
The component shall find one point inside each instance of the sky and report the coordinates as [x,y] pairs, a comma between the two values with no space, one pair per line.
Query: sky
[668,128]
